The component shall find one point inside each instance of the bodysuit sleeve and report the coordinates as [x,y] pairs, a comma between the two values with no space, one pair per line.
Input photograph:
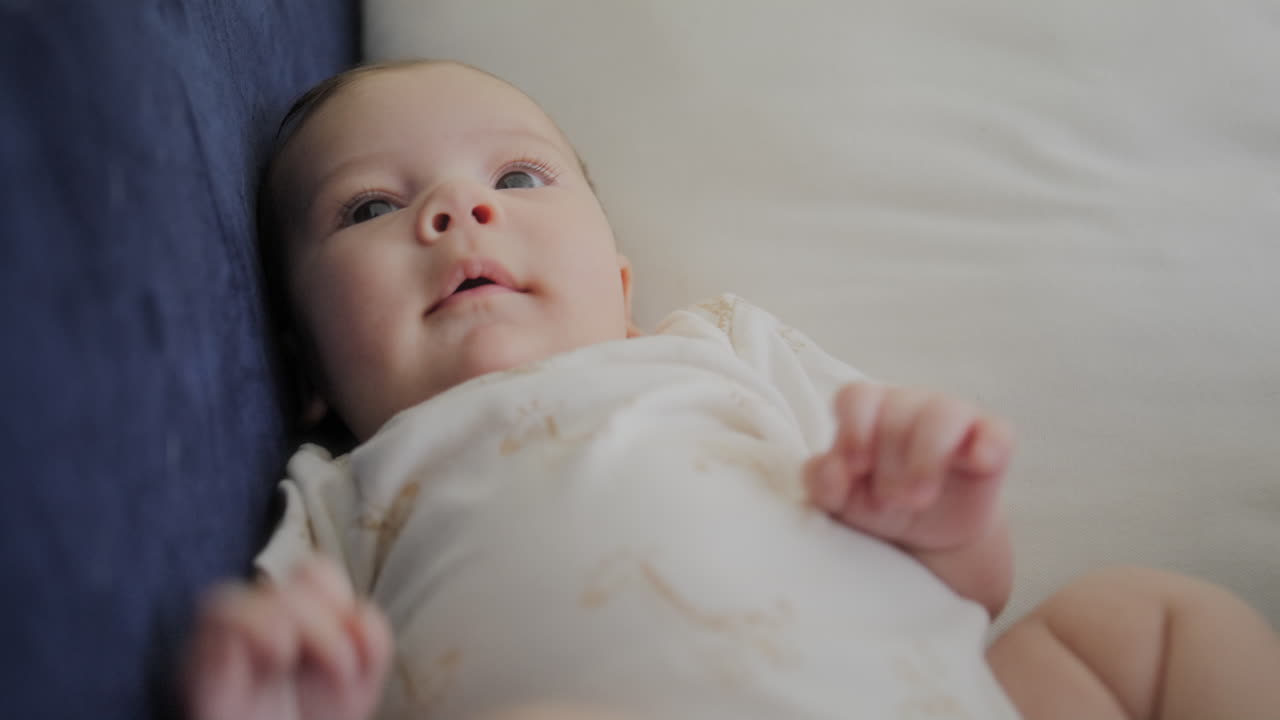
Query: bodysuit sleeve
[806,377]
[318,499]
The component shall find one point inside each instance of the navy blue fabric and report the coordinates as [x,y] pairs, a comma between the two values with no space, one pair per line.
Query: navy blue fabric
[140,433]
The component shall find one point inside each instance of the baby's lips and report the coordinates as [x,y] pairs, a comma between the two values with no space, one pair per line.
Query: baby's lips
[474,268]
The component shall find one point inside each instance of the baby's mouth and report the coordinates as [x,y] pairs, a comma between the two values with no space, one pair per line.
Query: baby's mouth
[472,278]
[472,287]
[472,283]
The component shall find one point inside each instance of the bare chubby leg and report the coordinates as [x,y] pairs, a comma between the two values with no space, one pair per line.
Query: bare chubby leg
[1131,643]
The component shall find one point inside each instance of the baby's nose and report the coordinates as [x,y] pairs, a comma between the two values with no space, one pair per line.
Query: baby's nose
[481,213]
[453,206]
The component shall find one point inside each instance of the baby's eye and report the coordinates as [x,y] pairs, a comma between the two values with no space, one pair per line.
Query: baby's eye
[518,180]
[370,209]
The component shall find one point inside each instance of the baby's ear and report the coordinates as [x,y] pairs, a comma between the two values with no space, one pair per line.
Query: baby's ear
[312,411]
[311,405]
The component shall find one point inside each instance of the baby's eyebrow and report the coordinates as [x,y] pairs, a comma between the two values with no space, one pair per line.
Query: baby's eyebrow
[554,141]
[311,192]
[350,166]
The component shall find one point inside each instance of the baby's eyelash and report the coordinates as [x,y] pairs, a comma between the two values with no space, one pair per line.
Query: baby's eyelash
[343,216]
[546,170]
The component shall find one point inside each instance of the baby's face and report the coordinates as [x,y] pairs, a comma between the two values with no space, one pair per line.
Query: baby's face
[439,227]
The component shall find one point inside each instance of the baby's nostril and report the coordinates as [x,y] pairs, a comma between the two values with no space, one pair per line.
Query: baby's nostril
[482,214]
[440,222]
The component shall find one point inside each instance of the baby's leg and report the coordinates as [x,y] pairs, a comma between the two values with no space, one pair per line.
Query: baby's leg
[1131,643]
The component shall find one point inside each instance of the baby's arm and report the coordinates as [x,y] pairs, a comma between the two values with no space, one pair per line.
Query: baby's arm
[303,649]
[923,471]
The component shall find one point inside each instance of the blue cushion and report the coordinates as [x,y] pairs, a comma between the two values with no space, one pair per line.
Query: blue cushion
[140,430]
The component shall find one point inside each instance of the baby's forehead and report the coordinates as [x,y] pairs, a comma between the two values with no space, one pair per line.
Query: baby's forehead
[381,104]
[442,85]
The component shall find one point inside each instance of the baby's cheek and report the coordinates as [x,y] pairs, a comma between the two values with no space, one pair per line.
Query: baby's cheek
[601,301]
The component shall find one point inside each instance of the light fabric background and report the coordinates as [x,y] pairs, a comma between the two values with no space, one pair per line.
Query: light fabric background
[1067,212]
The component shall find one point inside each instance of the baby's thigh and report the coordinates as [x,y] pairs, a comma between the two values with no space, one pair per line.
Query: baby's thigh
[1095,649]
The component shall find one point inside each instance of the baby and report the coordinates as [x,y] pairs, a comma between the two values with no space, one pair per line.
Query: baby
[558,516]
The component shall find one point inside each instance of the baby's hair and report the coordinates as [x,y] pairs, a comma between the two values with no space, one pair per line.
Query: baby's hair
[272,246]
[314,98]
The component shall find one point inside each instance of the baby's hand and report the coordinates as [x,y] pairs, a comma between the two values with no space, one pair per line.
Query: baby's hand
[916,468]
[303,650]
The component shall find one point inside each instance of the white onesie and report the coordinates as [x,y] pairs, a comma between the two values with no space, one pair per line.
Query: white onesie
[624,525]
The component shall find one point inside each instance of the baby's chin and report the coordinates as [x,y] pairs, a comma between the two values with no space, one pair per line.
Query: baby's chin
[487,353]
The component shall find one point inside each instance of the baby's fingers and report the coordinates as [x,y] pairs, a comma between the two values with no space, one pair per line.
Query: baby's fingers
[986,449]
[937,433]
[357,696]
[240,638]
[831,476]
[827,481]
[321,576]
[892,485]
[857,407]
[321,626]
[243,622]
[373,635]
